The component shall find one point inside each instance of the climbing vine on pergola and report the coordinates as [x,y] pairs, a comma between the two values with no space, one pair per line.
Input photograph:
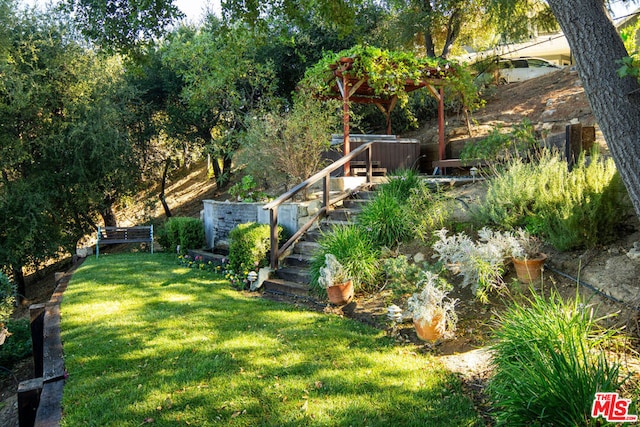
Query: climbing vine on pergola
[369,75]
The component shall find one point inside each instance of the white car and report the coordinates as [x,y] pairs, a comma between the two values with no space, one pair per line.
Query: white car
[525,68]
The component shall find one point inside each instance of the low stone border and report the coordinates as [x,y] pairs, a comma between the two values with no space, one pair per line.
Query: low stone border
[40,398]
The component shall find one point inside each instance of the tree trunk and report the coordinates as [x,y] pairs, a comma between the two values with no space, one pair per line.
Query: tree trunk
[18,278]
[428,37]
[163,184]
[597,48]
[108,215]
[453,31]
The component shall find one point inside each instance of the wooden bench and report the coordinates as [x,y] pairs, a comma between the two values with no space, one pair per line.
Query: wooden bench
[116,235]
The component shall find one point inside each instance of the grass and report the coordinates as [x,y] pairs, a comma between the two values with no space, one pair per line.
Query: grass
[148,341]
[549,362]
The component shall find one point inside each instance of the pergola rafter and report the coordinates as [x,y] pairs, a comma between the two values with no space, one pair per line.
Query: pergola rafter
[357,89]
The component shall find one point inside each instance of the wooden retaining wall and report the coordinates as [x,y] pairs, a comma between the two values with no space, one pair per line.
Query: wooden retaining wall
[40,398]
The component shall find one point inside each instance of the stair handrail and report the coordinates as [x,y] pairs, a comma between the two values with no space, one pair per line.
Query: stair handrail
[325,175]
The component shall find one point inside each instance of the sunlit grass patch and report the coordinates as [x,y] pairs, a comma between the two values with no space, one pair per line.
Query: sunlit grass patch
[145,341]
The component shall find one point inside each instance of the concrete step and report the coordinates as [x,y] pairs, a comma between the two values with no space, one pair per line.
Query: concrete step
[305,247]
[312,236]
[297,260]
[327,224]
[298,274]
[364,195]
[343,214]
[354,204]
[279,286]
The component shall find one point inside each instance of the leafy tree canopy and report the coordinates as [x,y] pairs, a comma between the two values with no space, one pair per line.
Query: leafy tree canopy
[122,25]
[387,72]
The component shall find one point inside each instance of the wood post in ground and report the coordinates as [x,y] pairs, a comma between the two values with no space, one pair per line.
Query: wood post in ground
[28,401]
[36,312]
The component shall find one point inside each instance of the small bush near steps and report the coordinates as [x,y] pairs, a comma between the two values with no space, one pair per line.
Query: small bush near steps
[249,246]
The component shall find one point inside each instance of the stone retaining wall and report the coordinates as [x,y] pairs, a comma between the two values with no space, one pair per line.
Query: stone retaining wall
[220,217]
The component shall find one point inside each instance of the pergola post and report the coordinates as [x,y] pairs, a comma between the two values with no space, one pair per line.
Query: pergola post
[441,143]
[345,122]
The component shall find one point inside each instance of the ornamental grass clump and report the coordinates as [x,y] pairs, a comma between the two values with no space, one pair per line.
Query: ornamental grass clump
[549,362]
[353,249]
[384,221]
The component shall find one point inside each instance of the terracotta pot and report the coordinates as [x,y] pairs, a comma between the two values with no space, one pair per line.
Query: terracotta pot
[340,294]
[529,270]
[427,331]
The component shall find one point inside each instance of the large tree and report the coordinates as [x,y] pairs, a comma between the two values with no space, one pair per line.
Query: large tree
[122,25]
[615,101]
[64,144]
[220,84]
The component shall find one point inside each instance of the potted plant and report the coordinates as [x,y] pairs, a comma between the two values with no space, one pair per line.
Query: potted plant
[433,312]
[334,279]
[528,260]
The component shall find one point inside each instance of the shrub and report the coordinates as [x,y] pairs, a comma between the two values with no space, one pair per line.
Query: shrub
[548,363]
[247,190]
[383,220]
[427,211]
[287,147]
[570,209]
[249,246]
[186,232]
[481,263]
[353,249]
[499,146]
[401,184]
[7,298]
[17,346]
[401,275]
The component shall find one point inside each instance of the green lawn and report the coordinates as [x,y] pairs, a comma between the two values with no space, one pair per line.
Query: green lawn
[149,342]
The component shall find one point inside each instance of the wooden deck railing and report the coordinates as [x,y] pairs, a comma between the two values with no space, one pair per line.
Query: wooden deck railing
[327,202]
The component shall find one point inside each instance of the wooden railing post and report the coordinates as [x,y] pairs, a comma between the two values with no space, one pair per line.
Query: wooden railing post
[369,165]
[324,175]
[326,190]
[273,220]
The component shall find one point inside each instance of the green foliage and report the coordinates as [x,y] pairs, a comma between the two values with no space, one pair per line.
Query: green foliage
[249,246]
[402,275]
[402,183]
[630,65]
[569,209]
[549,363]
[246,190]
[383,220]
[388,71]
[122,26]
[65,152]
[428,210]
[500,146]
[287,147]
[186,232]
[353,249]
[18,345]
[7,298]
[219,85]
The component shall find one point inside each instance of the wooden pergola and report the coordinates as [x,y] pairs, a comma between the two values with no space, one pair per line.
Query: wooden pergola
[357,89]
